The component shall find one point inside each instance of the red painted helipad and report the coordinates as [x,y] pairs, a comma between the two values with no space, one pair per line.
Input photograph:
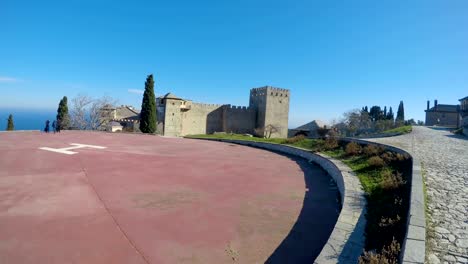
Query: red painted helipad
[149,199]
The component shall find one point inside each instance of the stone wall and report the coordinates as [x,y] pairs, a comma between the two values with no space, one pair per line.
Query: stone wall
[202,119]
[272,106]
[464,125]
[268,106]
[172,118]
[237,119]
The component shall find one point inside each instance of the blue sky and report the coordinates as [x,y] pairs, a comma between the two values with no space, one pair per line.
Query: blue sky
[333,55]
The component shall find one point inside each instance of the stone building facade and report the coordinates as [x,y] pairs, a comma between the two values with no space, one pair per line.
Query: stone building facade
[123,118]
[443,115]
[464,114]
[267,114]
[309,130]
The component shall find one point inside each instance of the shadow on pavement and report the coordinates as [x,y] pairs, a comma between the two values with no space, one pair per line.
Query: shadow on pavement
[316,220]
[440,128]
[457,136]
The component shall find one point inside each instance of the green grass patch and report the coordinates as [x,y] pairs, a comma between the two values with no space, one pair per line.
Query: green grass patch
[306,143]
[387,194]
[402,129]
[238,137]
[309,144]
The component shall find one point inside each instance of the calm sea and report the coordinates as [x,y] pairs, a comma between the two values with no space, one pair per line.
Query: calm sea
[26,119]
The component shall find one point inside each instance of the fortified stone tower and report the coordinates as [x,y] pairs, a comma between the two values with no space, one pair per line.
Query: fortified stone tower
[272,107]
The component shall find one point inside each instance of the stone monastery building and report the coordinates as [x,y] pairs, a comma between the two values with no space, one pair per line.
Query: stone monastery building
[267,113]
[443,115]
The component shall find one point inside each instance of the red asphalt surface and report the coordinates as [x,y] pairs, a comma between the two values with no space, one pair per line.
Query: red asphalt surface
[143,199]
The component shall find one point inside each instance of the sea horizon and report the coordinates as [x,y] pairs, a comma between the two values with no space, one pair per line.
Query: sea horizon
[26,119]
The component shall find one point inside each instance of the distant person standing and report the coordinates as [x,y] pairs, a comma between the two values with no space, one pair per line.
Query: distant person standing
[46,129]
[54,126]
[57,126]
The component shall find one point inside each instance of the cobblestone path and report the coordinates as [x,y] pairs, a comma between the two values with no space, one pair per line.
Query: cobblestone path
[444,159]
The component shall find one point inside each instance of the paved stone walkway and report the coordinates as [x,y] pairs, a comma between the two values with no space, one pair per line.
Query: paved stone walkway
[444,159]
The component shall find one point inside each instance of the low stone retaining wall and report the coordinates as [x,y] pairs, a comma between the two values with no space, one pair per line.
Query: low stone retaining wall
[346,242]
[414,244]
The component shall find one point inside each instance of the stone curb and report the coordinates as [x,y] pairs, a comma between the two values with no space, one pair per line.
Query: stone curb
[413,249]
[346,242]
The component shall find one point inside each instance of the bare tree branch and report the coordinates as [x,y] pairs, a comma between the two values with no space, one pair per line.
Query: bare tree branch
[78,113]
[100,112]
[89,113]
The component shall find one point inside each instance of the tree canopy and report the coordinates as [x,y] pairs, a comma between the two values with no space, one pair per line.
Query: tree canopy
[63,117]
[10,125]
[400,113]
[148,108]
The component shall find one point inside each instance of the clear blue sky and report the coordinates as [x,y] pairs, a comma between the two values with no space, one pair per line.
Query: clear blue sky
[333,55]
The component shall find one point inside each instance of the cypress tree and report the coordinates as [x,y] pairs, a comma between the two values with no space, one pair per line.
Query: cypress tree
[10,125]
[148,108]
[62,114]
[390,115]
[385,112]
[400,113]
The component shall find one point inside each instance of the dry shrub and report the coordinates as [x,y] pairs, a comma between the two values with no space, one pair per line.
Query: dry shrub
[371,150]
[294,139]
[330,143]
[402,157]
[389,255]
[128,129]
[376,161]
[388,222]
[391,181]
[388,157]
[352,149]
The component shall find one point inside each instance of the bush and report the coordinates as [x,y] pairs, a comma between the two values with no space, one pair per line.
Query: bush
[376,161]
[372,150]
[388,157]
[127,129]
[293,139]
[402,157]
[330,143]
[391,181]
[389,255]
[352,149]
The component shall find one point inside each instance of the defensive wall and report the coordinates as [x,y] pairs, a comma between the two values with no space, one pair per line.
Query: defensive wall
[201,118]
[238,119]
[272,106]
[268,112]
